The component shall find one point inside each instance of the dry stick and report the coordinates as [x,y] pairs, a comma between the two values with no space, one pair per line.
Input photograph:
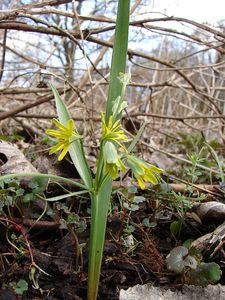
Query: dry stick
[179,118]
[17,90]
[89,70]
[98,119]
[45,3]
[190,37]
[59,31]
[15,111]
[211,189]
[27,58]
[56,31]
[210,99]
[184,20]
[173,68]
[9,14]
[33,9]
[69,35]
[44,10]
[144,55]
[3,54]
[85,77]
[34,224]
[24,234]
[25,27]
[177,187]
[178,68]
[135,53]
[209,47]
[208,188]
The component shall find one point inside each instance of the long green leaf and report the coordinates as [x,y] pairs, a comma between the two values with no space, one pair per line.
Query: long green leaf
[137,137]
[76,148]
[219,163]
[61,197]
[103,187]
[40,175]
[119,56]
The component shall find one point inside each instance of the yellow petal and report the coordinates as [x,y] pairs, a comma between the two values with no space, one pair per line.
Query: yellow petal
[55,133]
[121,165]
[57,147]
[150,177]
[141,182]
[116,125]
[63,153]
[103,123]
[110,123]
[154,169]
[59,125]
[70,125]
[122,146]
[113,171]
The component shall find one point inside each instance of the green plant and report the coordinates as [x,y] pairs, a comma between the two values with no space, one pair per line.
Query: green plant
[191,142]
[114,158]
[188,264]
[191,171]
[10,192]
[182,203]
[218,161]
[20,287]
[113,153]
[204,157]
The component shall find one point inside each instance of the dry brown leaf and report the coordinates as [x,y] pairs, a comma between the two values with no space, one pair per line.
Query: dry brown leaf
[12,160]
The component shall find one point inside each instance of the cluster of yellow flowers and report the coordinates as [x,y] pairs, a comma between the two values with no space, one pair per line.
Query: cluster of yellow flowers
[113,134]
[112,140]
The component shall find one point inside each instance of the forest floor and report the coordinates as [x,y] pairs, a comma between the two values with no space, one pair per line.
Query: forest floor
[45,255]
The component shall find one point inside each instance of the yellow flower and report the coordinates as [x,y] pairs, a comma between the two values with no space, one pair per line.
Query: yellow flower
[143,171]
[65,136]
[112,161]
[113,131]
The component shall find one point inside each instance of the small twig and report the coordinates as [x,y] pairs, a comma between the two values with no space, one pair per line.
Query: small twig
[3,54]
[22,230]
[36,224]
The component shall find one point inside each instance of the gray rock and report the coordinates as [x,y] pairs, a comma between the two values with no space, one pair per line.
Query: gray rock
[189,292]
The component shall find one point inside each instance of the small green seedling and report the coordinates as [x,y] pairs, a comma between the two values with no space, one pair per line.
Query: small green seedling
[187,263]
[20,287]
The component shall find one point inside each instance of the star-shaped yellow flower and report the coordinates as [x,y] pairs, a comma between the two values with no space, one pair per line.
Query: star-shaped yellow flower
[113,131]
[143,171]
[65,136]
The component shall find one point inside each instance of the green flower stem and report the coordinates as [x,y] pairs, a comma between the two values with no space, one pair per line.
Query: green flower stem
[99,212]
[99,172]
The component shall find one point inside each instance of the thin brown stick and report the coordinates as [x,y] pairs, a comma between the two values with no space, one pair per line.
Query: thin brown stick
[98,119]
[3,54]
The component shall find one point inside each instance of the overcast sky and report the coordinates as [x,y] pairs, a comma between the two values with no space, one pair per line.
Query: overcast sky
[199,10]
